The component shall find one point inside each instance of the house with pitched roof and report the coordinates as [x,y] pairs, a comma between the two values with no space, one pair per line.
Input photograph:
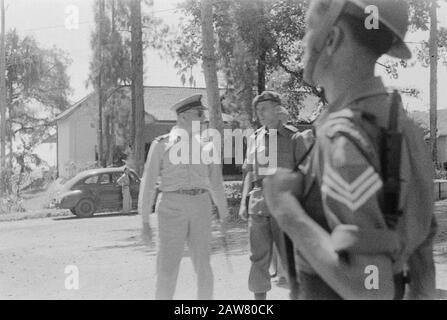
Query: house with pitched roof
[77,132]
[423,119]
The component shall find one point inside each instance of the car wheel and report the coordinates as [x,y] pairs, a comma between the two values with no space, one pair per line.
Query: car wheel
[85,208]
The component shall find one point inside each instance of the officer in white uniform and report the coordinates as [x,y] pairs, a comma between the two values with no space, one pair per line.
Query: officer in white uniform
[184,211]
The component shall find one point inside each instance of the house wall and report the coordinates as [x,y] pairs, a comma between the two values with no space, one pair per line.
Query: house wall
[47,152]
[442,150]
[153,130]
[77,140]
[63,148]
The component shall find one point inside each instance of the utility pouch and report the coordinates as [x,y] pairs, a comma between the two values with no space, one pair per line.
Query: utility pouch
[256,200]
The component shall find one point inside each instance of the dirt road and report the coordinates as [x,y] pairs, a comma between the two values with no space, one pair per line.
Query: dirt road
[112,261]
[114,264]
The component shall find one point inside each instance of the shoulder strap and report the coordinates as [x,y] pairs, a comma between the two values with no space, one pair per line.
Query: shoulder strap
[387,165]
[391,150]
[256,180]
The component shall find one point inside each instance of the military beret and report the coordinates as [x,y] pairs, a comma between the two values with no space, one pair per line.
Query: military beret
[266,96]
[192,102]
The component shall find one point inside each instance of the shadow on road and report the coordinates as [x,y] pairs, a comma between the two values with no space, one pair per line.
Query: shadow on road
[235,242]
[98,215]
[132,240]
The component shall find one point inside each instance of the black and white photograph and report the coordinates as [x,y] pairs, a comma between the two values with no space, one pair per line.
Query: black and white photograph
[240,151]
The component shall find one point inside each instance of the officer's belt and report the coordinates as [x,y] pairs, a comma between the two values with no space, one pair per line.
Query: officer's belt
[352,239]
[190,192]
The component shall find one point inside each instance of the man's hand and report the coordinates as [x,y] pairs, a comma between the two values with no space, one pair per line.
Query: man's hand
[283,181]
[243,214]
[146,234]
[224,226]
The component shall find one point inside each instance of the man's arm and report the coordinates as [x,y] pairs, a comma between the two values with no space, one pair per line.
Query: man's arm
[349,187]
[349,280]
[308,138]
[422,269]
[246,188]
[148,184]
[302,141]
[217,190]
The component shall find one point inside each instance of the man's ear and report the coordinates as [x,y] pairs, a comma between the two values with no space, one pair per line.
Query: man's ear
[334,40]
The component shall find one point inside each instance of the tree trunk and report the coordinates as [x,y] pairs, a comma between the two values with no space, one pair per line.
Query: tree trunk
[261,72]
[137,85]
[210,67]
[100,88]
[433,52]
[2,100]
[10,137]
[107,139]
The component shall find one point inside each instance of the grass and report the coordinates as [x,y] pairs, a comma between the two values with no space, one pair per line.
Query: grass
[38,214]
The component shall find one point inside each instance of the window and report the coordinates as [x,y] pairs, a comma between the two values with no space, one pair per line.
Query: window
[105,179]
[91,180]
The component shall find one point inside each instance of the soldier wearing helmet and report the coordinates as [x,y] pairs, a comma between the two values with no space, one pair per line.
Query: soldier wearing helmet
[336,209]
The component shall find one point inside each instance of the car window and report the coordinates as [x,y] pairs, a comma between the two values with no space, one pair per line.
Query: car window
[91,180]
[105,179]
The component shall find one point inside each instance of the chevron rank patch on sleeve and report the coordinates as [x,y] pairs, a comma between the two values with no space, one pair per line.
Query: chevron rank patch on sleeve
[348,178]
[352,194]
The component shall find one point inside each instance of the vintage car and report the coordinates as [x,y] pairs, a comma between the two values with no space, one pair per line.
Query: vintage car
[96,190]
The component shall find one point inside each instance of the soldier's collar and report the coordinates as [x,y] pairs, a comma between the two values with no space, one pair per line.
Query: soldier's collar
[286,130]
[361,90]
[282,130]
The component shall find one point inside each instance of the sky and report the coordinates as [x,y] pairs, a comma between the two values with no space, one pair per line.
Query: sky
[46,21]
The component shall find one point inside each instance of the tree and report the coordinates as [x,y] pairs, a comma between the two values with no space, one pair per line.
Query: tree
[255,39]
[112,59]
[209,66]
[423,16]
[100,91]
[37,87]
[137,86]
[433,52]
[2,101]
[117,71]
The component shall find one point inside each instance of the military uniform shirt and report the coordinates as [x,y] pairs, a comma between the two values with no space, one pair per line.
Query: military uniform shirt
[169,176]
[342,184]
[290,149]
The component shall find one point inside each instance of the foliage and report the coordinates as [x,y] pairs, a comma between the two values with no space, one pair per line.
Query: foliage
[253,37]
[419,21]
[37,87]
[35,74]
[11,203]
[115,47]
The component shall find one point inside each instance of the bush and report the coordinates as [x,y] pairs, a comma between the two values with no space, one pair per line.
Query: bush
[11,203]
[440,174]
[233,191]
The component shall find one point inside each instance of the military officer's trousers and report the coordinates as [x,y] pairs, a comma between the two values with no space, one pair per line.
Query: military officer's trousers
[263,233]
[183,217]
